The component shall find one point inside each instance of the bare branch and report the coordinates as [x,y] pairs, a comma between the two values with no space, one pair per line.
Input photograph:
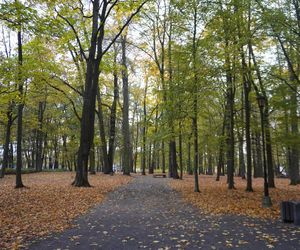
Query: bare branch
[70,100]
[124,26]
[75,33]
[287,83]
[67,84]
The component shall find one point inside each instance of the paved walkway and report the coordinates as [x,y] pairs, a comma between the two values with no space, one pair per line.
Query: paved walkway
[147,214]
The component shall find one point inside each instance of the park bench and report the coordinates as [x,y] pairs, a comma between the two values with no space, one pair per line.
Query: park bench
[159,175]
[290,211]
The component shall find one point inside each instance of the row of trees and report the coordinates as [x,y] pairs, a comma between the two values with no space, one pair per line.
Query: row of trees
[220,57]
[174,89]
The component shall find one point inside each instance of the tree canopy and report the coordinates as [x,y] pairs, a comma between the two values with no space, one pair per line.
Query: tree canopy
[160,85]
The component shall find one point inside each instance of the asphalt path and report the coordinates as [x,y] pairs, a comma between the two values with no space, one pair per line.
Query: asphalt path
[148,214]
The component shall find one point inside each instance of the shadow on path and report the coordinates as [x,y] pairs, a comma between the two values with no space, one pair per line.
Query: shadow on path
[148,214]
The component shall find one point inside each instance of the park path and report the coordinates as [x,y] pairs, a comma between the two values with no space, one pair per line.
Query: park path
[148,214]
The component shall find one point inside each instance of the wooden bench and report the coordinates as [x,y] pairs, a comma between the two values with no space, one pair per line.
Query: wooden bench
[290,212]
[160,175]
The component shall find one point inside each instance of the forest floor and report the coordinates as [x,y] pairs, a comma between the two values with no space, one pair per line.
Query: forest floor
[215,198]
[48,204]
[147,213]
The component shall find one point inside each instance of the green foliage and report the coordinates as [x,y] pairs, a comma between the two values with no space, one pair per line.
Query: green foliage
[163,56]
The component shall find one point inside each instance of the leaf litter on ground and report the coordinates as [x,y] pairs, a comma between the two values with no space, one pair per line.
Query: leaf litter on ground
[216,198]
[48,204]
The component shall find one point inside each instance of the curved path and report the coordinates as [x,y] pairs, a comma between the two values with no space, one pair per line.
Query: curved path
[148,214]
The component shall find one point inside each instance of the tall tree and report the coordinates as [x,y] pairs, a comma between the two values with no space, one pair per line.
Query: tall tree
[127,147]
[18,22]
[195,95]
[101,11]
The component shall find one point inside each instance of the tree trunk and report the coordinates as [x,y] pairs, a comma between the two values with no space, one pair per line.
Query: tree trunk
[163,157]
[221,151]
[189,163]
[241,156]
[247,106]
[144,151]
[230,132]
[64,153]
[7,141]
[172,160]
[180,152]
[269,152]
[50,166]
[294,163]
[154,151]
[209,164]
[113,115]
[92,160]
[11,156]
[87,123]
[245,99]
[56,153]
[153,158]
[127,148]
[89,100]
[136,145]
[150,168]
[195,100]
[258,153]
[19,183]
[32,149]
[39,137]
[143,161]
[157,166]
[196,152]
[106,166]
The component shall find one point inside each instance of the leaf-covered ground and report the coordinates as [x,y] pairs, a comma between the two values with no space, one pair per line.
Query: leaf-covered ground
[215,198]
[148,214]
[48,204]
